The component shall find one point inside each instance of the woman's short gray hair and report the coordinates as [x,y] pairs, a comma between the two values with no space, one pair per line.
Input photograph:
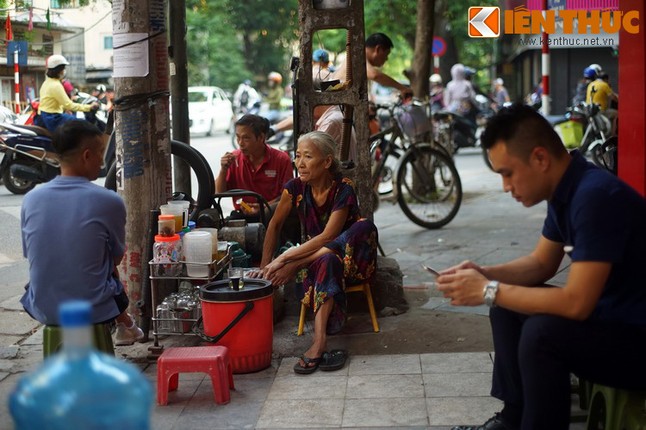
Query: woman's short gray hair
[324,143]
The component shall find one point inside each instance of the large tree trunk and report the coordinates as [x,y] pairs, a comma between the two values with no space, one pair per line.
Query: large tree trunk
[423,46]
[441,29]
[141,127]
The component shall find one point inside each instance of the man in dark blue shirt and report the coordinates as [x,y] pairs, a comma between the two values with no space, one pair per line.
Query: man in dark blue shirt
[595,325]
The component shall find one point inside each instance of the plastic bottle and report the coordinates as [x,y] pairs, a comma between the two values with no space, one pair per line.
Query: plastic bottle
[80,387]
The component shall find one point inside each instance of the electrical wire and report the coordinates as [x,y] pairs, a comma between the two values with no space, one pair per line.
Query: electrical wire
[69,38]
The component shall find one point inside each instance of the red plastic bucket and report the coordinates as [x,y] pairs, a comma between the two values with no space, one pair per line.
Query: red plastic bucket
[248,313]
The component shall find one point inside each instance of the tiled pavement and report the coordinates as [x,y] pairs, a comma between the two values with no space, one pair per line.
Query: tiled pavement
[423,391]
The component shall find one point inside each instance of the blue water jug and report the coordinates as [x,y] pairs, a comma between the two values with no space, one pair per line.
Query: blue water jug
[81,387]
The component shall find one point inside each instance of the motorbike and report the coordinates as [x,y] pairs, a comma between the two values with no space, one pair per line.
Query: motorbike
[466,131]
[597,130]
[30,158]
[583,127]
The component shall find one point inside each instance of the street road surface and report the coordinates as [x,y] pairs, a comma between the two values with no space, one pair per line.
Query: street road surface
[13,267]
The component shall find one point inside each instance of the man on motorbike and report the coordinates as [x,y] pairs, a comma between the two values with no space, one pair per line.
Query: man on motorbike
[245,98]
[321,70]
[459,95]
[274,95]
[589,75]
[53,99]
[436,92]
[600,92]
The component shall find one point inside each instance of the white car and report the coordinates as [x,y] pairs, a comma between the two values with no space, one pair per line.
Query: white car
[209,110]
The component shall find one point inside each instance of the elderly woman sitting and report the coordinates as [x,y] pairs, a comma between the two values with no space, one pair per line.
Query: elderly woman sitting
[339,249]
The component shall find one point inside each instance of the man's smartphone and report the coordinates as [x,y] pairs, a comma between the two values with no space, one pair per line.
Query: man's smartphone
[431,270]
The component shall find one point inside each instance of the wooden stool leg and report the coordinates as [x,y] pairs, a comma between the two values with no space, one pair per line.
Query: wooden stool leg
[371,308]
[301,320]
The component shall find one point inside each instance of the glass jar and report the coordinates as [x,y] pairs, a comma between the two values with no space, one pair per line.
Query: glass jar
[167,256]
[166,225]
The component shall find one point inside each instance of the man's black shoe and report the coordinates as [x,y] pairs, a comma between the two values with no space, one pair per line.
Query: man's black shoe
[493,423]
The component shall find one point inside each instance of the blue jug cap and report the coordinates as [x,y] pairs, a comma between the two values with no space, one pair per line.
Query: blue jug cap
[75,313]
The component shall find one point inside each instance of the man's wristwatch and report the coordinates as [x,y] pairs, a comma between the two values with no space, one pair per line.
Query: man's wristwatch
[489,293]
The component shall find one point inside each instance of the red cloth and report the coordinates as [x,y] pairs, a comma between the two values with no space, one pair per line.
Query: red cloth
[7,27]
[69,88]
[268,180]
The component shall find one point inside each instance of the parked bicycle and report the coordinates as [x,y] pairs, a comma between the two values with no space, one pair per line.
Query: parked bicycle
[424,179]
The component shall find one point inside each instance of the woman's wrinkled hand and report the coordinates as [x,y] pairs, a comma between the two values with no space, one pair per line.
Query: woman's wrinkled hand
[282,275]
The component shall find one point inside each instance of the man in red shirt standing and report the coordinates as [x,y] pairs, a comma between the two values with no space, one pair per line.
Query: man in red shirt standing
[255,166]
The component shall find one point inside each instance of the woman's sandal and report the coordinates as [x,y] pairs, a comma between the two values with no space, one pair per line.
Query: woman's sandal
[333,360]
[311,364]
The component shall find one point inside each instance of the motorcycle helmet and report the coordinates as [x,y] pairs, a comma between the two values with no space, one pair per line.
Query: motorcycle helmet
[56,60]
[589,73]
[276,77]
[597,68]
[321,55]
[435,79]
[100,88]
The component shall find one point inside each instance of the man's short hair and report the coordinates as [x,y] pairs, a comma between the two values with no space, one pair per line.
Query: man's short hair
[521,129]
[71,135]
[379,39]
[258,124]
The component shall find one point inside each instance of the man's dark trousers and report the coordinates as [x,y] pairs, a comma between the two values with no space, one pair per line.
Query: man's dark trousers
[534,356]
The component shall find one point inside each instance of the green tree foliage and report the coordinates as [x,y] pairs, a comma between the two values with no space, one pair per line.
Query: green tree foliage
[215,55]
[229,41]
[397,18]
[232,40]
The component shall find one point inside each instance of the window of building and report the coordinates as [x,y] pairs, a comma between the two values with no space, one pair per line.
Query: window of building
[107,42]
[63,4]
[48,44]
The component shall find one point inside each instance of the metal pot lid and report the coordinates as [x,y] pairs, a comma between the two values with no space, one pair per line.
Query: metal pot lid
[219,291]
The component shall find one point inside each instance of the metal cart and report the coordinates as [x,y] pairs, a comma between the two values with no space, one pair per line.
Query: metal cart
[179,317]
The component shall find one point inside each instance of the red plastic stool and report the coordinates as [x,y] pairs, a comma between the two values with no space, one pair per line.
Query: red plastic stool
[213,360]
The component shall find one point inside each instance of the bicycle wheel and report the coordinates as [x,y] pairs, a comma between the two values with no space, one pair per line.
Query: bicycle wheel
[429,190]
[199,166]
[384,165]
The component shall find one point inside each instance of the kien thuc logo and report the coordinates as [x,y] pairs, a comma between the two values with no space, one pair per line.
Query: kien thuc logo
[484,21]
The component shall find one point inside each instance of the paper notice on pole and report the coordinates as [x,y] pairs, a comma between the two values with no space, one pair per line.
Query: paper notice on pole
[130,55]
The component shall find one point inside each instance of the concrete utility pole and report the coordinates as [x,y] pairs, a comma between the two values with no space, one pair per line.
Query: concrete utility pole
[179,88]
[329,14]
[141,126]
